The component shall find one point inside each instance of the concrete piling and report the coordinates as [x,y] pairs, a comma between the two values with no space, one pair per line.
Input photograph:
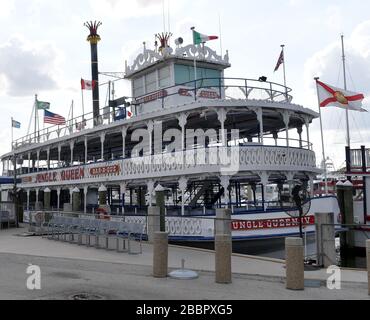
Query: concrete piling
[76,200]
[160,255]
[154,222]
[160,201]
[325,239]
[368,264]
[294,263]
[223,246]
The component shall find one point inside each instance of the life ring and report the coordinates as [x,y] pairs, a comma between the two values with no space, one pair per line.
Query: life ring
[39,218]
[102,214]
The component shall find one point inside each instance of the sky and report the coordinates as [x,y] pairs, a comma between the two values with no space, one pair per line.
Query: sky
[43,51]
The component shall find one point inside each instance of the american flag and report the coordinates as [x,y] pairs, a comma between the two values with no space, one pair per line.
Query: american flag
[280,61]
[53,118]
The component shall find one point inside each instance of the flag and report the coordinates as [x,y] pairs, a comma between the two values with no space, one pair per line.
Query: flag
[16,124]
[200,38]
[41,105]
[280,61]
[53,118]
[129,114]
[330,96]
[88,85]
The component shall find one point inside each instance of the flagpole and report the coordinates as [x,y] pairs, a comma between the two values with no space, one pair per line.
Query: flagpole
[83,104]
[345,88]
[322,139]
[195,68]
[12,135]
[36,114]
[286,89]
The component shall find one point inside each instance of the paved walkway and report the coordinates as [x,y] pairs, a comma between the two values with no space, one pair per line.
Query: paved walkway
[69,268]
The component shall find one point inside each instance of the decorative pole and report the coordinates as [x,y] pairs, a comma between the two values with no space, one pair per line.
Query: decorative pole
[94,38]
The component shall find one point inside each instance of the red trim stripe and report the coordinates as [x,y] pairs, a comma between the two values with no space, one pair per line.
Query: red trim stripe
[356,97]
[326,87]
[328,101]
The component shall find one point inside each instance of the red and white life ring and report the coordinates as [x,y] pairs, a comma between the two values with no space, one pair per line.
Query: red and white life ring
[102,214]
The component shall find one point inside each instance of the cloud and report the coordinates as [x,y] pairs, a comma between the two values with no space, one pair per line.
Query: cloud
[26,69]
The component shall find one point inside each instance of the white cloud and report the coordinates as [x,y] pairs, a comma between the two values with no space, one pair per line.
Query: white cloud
[26,68]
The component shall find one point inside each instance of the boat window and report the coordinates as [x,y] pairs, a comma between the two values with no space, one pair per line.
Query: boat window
[138,87]
[185,74]
[164,77]
[151,82]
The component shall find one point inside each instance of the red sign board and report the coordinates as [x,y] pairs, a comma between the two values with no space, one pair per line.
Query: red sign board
[99,171]
[246,225]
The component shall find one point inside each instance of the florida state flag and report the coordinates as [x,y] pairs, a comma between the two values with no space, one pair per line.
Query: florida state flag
[330,96]
[87,85]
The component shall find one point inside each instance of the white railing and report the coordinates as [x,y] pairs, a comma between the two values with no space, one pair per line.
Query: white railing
[228,161]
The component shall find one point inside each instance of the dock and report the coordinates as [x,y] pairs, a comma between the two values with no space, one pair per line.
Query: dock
[68,269]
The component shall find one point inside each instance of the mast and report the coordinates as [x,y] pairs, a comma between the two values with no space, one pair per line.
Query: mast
[345,88]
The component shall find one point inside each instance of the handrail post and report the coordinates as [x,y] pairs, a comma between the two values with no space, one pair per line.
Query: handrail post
[246,89]
[195,90]
[220,84]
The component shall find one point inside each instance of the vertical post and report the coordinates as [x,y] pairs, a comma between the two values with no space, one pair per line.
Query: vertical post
[223,246]
[86,189]
[38,160]
[59,154]
[368,264]
[29,163]
[72,146]
[58,195]
[364,169]
[11,128]
[286,119]
[102,141]
[124,134]
[345,198]
[76,201]
[86,150]
[183,184]
[154,223]
[348,162]
[28,200]
[159,193]
[294,263]
[160,255]
[47,198]
[325,239]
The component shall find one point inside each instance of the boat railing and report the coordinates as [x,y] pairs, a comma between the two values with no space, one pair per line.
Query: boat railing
[218,88]
[201,89]
[76,125]
[197,154]
[357,158]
